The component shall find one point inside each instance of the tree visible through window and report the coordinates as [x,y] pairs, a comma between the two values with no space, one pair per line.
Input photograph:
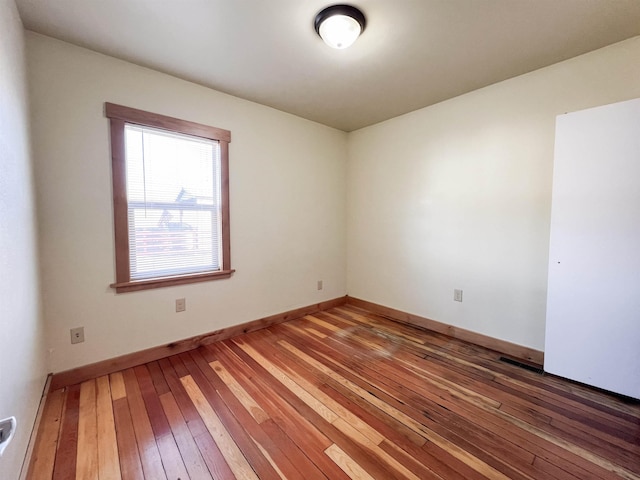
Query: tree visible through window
[171,215]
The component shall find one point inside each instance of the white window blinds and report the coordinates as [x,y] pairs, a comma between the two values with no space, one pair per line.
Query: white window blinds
[173,198]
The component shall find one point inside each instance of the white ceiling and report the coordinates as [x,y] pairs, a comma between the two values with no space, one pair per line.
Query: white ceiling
[413,53]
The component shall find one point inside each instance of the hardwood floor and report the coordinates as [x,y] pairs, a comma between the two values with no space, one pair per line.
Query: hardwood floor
[340,394]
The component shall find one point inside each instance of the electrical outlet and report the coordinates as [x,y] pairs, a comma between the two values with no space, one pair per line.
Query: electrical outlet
[181,304]
[7,429]
[319,284]
[457,295]
[77,335]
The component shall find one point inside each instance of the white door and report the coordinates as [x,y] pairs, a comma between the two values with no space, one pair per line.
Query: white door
[593,303]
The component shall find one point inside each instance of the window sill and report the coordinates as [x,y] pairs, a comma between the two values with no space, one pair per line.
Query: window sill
[170,281]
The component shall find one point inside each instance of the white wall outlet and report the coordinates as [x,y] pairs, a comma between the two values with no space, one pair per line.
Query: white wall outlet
[457,295]
[77,335]
[319,284]
[181,304]
[7,430]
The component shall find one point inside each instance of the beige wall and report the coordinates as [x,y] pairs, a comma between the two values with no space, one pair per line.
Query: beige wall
[287,207]
[22,369]
[458,195]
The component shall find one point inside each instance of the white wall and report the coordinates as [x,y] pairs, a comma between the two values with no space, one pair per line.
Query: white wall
[458,195]
[22,369]
[287,191]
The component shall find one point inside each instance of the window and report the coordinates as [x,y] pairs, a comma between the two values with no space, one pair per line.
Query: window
[170,200]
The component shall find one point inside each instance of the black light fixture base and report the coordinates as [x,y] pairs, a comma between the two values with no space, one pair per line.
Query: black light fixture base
[347,10]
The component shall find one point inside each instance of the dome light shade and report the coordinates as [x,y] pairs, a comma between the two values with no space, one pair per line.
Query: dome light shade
[340,25]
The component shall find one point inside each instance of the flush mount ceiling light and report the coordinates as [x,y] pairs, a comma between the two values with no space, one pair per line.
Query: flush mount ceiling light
[340,25]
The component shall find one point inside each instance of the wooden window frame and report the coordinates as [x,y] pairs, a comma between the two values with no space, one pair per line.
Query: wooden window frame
[119,116]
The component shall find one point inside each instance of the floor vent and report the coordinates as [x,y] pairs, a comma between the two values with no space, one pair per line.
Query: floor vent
[526,366]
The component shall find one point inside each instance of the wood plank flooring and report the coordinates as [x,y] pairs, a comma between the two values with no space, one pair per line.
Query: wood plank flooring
[342,394]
